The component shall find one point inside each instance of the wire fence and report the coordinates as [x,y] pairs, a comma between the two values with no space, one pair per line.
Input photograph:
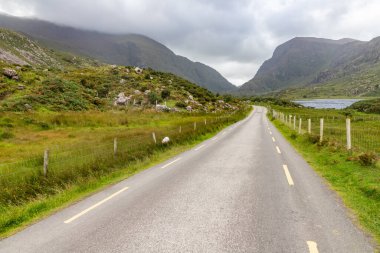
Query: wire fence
[359,133]
[39,175]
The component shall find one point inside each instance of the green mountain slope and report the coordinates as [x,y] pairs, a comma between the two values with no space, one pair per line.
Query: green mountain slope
[311,67]
[130,50]
[34,78]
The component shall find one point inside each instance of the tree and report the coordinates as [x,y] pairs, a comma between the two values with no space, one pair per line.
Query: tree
[165,94]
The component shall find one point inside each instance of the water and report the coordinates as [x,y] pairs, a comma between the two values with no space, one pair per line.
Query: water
[327,103]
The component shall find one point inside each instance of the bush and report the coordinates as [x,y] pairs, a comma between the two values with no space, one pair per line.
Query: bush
[180,104]
[367,159]
[6,135]
[153,97]
[165,94]
[293,136]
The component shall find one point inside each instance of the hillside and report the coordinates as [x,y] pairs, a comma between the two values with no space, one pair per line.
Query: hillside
[129,50]
[311,67]
[34,78]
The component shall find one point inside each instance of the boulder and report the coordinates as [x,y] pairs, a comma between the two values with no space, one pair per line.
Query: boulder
[162,108]
[165,140]
[189,108]
[20,87]
[122,99]
[11,73]
[191,97]
[137,92]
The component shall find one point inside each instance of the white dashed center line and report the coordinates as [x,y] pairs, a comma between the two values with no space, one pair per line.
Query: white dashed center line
[200,147]
[278,150]
[288,176]
[312,247]
[273,139]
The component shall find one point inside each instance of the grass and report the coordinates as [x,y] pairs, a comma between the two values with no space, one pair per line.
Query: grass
[358,185]
[82,160]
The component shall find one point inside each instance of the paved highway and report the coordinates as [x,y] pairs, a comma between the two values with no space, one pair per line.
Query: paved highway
[245,190]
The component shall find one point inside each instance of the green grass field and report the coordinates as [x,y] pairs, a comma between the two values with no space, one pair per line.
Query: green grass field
[82,154]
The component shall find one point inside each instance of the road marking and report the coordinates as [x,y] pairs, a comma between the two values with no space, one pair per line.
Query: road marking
[168,164]
[224,133]
[273,139]
[213,139]
[270,133]
[200,147]
[312,247]
[287,174]
[278,150]
[94,206]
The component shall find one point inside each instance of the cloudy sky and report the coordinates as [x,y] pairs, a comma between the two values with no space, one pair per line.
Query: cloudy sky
[232,36]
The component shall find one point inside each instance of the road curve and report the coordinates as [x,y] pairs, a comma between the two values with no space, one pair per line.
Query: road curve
[245,190]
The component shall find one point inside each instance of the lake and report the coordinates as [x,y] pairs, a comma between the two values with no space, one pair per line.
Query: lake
[327,103]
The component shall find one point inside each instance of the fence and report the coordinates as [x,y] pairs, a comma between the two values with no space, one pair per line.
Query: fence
[359,133]
[57,167]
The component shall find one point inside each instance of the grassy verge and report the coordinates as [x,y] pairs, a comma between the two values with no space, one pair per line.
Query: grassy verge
[358,185]
[73,187]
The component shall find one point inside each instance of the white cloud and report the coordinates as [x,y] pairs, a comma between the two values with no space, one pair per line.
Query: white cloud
[234,37]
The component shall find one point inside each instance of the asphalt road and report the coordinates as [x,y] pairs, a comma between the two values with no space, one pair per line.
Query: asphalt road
[246,190]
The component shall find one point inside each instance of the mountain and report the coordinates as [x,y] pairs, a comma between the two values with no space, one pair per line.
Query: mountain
[313,67]
[129,49]
[34,78]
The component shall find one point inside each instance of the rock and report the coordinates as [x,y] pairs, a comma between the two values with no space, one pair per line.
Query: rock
[137,92]
[191,97]
[138,70]
[165,140]
[122,81]
[189,108]
[18,68]
[170,82]
[151,77]
[122,99]
[10,73]
[15,78]
[21,87]
[146,92]
[162,108]
[28,106]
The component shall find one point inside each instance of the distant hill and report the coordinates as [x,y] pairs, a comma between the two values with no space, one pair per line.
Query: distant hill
[313,67]
[130,50]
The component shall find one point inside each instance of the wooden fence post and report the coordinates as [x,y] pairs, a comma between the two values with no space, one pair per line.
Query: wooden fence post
[195,126]
[154,138]
[321,130]
[309,126]
[46,162]
[348,131]
[294,122]
[114,146]
[290,121]
[205,121]
[180,129]
[300,126]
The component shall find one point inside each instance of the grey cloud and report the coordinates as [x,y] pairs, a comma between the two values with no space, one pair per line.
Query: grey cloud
[234,37]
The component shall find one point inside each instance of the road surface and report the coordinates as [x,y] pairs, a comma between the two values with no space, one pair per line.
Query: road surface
[245,190]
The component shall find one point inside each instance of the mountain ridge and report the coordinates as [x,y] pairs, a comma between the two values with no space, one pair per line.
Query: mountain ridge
[127,49]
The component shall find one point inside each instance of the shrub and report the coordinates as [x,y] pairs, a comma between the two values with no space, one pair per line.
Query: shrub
[6,135]
[153,97]
[165,94]
[180,104]
[367,159]
[293,136]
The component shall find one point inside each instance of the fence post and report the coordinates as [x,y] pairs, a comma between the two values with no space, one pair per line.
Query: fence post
[290,121]
[299,126]
[180,129]
[294,122]
[309,126]
[321,130]
[114,146]
[154,138]
[205,121]
[46,162]
[195,126]
[348,130]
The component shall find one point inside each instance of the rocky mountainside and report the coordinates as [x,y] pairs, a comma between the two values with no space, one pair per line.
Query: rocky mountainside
[33,78]
[312,67]
[129,50]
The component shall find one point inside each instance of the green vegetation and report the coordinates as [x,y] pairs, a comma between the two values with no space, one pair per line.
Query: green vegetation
[367,106]
[274,101]
[355,174]
[82,154]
